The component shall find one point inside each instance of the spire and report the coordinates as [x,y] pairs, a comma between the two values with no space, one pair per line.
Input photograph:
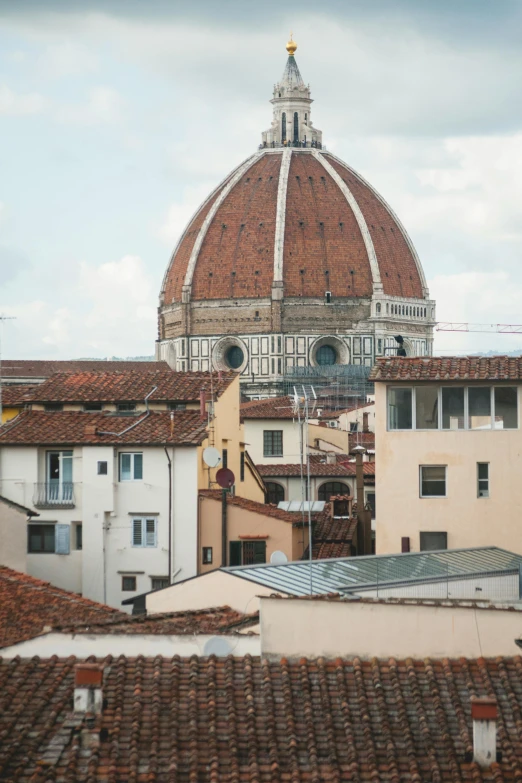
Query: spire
[291,123]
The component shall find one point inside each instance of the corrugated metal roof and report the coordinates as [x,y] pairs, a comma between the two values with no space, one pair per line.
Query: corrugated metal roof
[347,574]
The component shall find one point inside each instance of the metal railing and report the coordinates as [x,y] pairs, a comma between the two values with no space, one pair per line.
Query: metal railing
[52,494]
[266,145]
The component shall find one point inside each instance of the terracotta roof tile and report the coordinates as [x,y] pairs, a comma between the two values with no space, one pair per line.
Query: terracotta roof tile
[43,368]
[250,720]
[130,386]
[13,394]
[317,468]
[71,428]
[266,509]
[215,620]
[332,537]
[28,605]
[448,368]
[271,408]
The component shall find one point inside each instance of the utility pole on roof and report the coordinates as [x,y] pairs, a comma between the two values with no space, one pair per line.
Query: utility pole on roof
[2,319]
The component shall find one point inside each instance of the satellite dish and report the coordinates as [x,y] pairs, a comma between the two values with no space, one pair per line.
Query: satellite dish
[225,478]
[211,457]
[217,646]
[278,557]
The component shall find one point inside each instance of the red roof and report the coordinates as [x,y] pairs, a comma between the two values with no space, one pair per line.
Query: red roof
[179,428]
[28,605]
[265,509]
[317,468]
[13,394]
[43,368]
[271,408]
[448,368]
[204,720]
[332,537]
[130,386]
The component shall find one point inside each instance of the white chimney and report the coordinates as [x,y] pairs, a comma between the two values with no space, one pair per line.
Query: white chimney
[331,458]
[484,715]
[88,681]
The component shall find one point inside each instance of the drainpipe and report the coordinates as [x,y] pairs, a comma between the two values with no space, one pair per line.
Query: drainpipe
[169,468]
[223,528]
[363,534]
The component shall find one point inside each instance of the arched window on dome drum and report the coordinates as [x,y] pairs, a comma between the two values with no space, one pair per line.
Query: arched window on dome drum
[296,126]
[306,119]
[387,309]
[275,493]
[378,307]
[332,488]
[326,355]
[283,127]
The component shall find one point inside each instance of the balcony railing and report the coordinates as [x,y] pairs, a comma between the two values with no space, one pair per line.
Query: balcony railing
[271,145]
[52,494]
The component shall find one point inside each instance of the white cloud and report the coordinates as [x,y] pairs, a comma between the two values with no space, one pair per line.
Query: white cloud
[16,104]
[179,213]
[67,58]
[103,106]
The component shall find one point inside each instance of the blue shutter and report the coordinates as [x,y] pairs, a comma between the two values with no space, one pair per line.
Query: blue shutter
[62,540]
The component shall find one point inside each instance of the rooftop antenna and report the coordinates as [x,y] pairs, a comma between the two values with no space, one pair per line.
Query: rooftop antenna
[2,319]
[304,405]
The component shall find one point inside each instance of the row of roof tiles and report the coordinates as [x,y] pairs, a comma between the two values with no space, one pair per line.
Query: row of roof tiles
[264,509]
[204,720]
[448,368]
[318,467]
[43,368]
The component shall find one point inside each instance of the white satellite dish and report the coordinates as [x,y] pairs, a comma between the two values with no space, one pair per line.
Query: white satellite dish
[278,557]
[217,646]
[211,457]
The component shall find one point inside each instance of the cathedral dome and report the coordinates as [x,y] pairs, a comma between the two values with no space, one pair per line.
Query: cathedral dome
[300,218]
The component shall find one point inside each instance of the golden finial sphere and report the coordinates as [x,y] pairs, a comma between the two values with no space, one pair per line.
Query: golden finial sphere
[291,46]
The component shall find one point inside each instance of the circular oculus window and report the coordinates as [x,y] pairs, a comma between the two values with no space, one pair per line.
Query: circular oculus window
[234,357]
[326,355]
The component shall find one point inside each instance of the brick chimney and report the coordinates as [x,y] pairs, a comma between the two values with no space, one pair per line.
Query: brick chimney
[484,714]
[90,430]
[88,681]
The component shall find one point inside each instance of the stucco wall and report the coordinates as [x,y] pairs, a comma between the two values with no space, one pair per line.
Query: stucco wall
[254,429]
[300,627]
[13,537]
[217,588]
[468,520]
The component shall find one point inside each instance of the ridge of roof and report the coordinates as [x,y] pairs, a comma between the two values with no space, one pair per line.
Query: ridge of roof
[447,368]
[265,509]
[28,511]
[41,368]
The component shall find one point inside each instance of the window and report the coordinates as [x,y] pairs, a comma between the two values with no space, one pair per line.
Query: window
[91,407]
[273,443]
[159,582]
[326,355]
[275,493]
[506,412]
[207,555]
[51,407]
[431,542]
[131,466]
[332,488]
[144,532]
[41,538]
[59,476]
[247,552]
[433,481]
[353,426]
[427,407]
[296,126]
[177,406]
[399,408]
[234,357]
[78,535]
[483,479]
[453,408]
[224,458]
[128,584]
[242,466]
[479,407]
[102,468]
[126,407]
[370,499]
[283,127]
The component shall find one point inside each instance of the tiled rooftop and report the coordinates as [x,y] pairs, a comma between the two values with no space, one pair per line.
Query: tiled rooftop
[247,720]
[264,509]
[318,467]
[271,408]
[215,620]
[28,605]
[185,428]
[43,368]
[448,368]
[23,509]
[13,394]
[130,386]
[332,537]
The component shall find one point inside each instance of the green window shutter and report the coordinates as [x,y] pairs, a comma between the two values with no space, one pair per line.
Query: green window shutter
[260,552]
[235,553]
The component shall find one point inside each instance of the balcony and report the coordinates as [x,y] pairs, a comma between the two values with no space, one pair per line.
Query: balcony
[52,494]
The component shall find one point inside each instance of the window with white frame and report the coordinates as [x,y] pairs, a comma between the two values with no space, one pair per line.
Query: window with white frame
[431,407]
[131,466]
[483,479]
[144,532]
[433,481]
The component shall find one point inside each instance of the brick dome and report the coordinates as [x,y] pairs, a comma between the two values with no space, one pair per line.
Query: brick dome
[297,217]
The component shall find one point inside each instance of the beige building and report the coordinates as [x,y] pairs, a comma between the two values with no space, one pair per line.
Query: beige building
[13,533]
[449,453]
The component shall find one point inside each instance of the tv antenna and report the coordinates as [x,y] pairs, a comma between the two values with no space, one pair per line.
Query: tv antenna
[2,319]
[304,403]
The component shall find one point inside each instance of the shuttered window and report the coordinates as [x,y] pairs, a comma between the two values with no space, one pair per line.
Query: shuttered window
[144,532]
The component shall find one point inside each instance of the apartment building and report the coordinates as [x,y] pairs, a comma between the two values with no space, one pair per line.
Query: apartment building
[449,453]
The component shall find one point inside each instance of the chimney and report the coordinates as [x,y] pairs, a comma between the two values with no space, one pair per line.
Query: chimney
[88,680]
[331,458]
[203,404]
[90,430]
[365,422]
[484,716]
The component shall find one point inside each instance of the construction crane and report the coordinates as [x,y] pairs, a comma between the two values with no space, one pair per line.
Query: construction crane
[450,326]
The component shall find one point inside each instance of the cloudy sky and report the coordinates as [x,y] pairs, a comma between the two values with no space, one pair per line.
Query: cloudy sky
[118,117]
